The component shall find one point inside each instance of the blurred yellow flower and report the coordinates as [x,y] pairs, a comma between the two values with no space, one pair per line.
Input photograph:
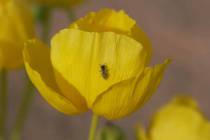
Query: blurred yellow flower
[98,63]
[16,26]
[57,3]
[181,119]
[141,133]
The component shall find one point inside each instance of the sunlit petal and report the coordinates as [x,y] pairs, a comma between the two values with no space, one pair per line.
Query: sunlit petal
[78,56]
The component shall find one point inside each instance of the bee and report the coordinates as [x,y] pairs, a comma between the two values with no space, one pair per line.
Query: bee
[104,71]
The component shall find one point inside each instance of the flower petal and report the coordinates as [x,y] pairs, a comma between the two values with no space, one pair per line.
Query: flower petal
[15,28]
[79,56]
[16,12]
[10,55]
[183,116]
[40,71]
[126,97]
[116,102]
[108,20]
[105,20]
[152,78]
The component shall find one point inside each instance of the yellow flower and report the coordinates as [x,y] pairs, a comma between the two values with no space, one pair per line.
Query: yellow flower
[57,3]
[98,63]
[141,133]
[15,28]
[181,119]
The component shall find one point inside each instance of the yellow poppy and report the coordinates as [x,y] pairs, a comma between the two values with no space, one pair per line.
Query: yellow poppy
[16,26]
[181,119]
[98,63]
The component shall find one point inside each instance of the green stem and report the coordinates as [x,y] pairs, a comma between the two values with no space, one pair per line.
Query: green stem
[3,103]
[23,111]
[42,15]
[93,127]
[71,15]
[45,21]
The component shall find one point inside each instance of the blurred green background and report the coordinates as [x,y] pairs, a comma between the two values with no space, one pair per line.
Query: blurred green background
[178,29]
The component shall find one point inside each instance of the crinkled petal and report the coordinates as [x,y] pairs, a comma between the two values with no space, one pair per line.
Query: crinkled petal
[125,97]
[79,56]
[107,20]
[39,68]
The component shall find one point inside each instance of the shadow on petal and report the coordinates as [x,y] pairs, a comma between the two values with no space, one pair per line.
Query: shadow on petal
[40,71]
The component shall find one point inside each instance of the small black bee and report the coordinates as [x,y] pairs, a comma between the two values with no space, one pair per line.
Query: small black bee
[104,71]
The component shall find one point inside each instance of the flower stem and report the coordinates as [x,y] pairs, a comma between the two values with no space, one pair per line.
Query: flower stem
[93,127]
[45,21]
[3,103]
[23,111]
[71,14]
[42,15]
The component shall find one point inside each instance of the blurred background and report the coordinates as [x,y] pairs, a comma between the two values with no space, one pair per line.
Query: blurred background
[178,29]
